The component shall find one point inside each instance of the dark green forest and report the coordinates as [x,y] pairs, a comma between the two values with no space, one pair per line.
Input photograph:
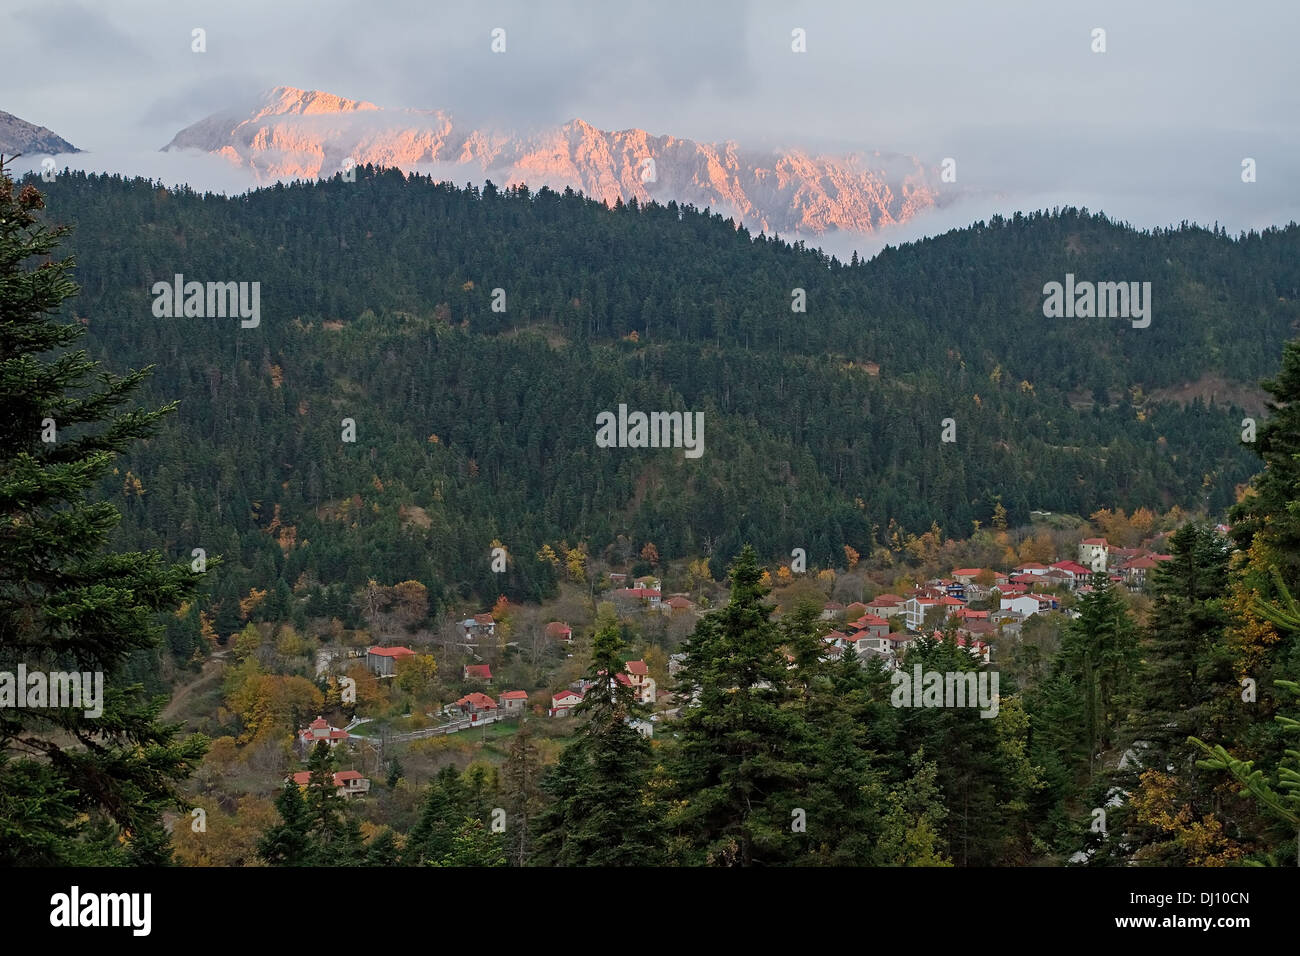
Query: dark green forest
[778,754]
[377,305]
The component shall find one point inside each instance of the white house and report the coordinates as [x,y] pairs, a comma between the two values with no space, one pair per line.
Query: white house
[318,730]
[1026,604]
[1092,554]
[914,611]
[513,701]
[564,702]
[638,677]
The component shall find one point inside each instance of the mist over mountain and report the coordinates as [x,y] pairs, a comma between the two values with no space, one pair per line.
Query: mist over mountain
[294,133]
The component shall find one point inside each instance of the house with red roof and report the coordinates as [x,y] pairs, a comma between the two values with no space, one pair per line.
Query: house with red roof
[349,783]
[967,575]
[1136,570]
[560,631]
[475,703]
[481,672]
[637,674]
[564,702]
[885,605]
[513,701]
[320,730]
[678,602]
[649,597]
[870,625]
[383,660]
[899,641]
[870,639]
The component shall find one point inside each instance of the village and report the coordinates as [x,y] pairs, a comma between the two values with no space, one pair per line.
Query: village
[982,608]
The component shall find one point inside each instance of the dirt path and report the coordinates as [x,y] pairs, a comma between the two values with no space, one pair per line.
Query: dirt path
[211,672]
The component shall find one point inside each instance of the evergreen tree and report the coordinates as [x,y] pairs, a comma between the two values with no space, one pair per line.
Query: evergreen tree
[67,604]
[1099,651]
[737,769]
[600,814]
[395,773]
[334,835]
[288,843]
[1185,665]
[521,774]
[473,845]
[444,809]
[383,849]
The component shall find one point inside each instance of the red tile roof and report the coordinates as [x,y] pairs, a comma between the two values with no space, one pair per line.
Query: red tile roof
[480,671]
[637,667]
[391,651]
[476,699]
[515,695]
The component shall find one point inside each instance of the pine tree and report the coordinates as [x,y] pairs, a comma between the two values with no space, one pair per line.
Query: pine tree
[1283,806]
[601,814]
[66,604]
[288,843]
[1268,512]
[737,770]
[521,777]
[334,834]
[1099,651]
[473,845]
[383,849]
[444,808]
[1186,667]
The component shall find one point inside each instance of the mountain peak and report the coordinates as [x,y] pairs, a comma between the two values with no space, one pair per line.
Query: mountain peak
[294,133]
[19,136]
[290,100]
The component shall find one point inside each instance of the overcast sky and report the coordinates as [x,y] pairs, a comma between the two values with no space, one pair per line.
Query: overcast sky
[1153,131]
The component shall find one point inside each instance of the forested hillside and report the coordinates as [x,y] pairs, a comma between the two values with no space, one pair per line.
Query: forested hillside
[822,428]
